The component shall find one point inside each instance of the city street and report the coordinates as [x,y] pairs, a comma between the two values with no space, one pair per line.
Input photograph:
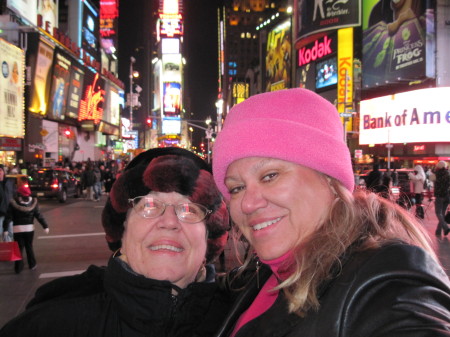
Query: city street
[76,240]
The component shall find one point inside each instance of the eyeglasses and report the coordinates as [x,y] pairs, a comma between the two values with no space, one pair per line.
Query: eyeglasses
[149,207]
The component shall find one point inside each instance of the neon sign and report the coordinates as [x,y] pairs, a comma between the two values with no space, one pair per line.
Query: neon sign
[89,109]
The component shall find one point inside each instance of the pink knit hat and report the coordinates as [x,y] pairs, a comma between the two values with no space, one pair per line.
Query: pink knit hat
[295,125]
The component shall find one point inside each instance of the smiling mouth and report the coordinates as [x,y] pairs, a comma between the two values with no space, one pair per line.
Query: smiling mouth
[166,247]
[265,224]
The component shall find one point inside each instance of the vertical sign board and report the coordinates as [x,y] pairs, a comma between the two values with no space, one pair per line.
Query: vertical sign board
[41,80]
[12,59]
[345,71]
[59,88]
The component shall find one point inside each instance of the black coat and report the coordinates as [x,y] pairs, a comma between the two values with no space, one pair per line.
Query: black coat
[113,301]
[23,211]
[398,290]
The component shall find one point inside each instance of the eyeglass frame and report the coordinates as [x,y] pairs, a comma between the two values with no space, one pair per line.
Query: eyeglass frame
[133,205]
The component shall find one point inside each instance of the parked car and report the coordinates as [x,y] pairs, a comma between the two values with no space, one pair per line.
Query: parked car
[57,183]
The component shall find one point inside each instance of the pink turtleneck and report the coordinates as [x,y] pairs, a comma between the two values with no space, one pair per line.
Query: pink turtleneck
[265,298]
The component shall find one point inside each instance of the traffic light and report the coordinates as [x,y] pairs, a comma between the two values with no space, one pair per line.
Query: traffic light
[149,122]
[68,133]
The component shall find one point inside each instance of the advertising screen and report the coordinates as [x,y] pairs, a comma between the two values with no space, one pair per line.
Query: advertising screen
[170,46]
[399,50]
[74,91]
[278,57]
[11,90]
[48,9]
[90,29]
[326,73]
[60,87]
[416,116]
[171,67]
[25,9]
[172,98]
[109,13]
[318,16]
[171,126]
[42,77]
[92,101]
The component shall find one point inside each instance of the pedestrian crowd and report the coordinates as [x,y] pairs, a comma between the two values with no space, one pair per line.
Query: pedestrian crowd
[322,258]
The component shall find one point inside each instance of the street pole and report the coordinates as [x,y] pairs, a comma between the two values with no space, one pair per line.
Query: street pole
[132,60]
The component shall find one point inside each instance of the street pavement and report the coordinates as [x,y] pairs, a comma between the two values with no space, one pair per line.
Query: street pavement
[76,240]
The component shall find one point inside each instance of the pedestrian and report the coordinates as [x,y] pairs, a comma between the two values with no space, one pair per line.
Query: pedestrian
[6,194]
[98,183]
[88,181]
[374,179]
[441,180]
[163,212]
[109,180]
[418,180]
[22,211]
[340,262]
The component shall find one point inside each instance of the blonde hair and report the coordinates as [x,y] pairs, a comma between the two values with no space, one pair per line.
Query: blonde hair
[362,221]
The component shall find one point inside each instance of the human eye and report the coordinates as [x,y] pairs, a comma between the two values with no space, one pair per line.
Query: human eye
[235,189]
[269,176]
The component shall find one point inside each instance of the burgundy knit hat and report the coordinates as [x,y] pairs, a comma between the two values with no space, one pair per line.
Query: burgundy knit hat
[295,125]
[166,170]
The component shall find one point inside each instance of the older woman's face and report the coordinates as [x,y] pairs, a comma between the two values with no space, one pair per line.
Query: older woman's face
[276,203]
[164,248]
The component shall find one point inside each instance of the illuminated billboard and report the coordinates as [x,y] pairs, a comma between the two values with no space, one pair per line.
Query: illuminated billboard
[41,78]
[26,9]
[171,126]
[90,29]
[91,104]
[172,98]
[59,88]
[326,73]
[397,50]
[74,91]
[47,11]
[171,67]
[12,59]
[109,13]
[170,46]
[319,16]
[417,116]
[278,57]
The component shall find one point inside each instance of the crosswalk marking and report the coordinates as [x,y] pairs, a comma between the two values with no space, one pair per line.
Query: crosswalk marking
[61,274]
[69,235]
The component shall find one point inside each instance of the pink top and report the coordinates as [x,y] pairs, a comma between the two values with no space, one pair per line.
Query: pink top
[265,298]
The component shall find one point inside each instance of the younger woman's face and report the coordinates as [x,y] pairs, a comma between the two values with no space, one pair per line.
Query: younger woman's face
[276,203]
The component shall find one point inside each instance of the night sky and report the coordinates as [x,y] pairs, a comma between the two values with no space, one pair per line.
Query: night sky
[200,52]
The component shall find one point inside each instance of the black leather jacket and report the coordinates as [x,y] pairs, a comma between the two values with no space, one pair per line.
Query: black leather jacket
[397,290]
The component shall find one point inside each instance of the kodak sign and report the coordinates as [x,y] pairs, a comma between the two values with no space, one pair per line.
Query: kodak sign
[315,51]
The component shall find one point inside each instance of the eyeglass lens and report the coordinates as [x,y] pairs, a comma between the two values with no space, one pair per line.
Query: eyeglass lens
[149,207]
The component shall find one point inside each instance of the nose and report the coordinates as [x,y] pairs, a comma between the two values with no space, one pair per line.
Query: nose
[252,200]
[169,219]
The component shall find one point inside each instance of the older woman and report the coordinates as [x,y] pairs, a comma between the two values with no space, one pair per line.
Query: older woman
[167,216]
[341,264]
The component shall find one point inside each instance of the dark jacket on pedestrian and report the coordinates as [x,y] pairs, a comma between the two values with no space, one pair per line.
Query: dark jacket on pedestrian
[442,183]
[22,211]
[6,193]
[374,179]
[410,290]
[114,301]
[88,178]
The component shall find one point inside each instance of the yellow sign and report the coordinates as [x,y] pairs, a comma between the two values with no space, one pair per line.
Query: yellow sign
[43,132]
[345,71]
